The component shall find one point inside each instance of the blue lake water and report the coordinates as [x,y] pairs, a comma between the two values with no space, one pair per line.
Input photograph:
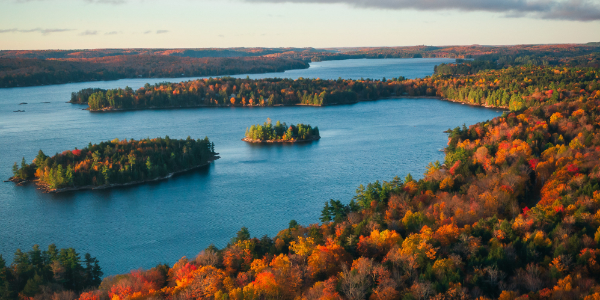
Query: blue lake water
[260,187]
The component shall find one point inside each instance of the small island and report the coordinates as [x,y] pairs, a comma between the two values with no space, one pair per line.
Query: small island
[281,133]
[115,163]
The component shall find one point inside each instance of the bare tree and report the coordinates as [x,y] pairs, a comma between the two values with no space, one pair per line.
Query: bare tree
[494,275]
[532,279]
[64,295]
[422,290]
[207,258]
[354,284]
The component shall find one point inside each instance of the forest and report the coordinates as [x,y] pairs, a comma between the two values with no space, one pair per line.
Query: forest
[511,88]
[228,91]
[513,212]
[281,132]
[49,274]
[115,162]
[507,55]
[43,67]
[497,61]
[19,72]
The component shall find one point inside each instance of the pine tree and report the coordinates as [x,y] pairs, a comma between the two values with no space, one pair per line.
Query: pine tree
[92,272]
[325,213]
[23,170]
[5,291]
[15,170]
[32,287]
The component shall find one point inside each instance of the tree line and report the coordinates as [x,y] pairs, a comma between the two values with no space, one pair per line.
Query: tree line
[31,67]
[19,72]
[227,91]
[49,274]
[512,88]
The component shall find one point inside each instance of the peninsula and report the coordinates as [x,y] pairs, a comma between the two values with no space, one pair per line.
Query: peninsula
[115,163]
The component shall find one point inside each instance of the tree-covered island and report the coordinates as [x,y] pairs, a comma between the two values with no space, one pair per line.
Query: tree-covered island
[512,88]
[281,133]
[115,163]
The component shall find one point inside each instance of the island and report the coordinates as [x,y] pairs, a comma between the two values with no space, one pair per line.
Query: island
[281,133]
[516,201]
[115,163]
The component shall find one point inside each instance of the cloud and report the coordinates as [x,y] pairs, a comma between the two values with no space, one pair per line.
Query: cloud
[89,32]
[43,31]
[88,1]
[147,31]
[574,10]
[111,33]
[161,31]
[106,1]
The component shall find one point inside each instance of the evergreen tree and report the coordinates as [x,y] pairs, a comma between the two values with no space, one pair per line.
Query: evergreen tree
[15,170]
[242,235]
[5,288]
[325,213]
[32,287]
[52,253]
[36,260]
[23,170]
[293,224]
[92,271]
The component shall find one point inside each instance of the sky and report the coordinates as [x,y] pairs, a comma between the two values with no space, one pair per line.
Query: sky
[89,24]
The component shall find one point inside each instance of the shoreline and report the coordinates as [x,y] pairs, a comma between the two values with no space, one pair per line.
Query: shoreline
[191,77]
[44,187]
[251,141]
[108,110]
[504,108]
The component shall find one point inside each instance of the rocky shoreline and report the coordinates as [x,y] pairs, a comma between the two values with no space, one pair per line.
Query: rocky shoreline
[46,189]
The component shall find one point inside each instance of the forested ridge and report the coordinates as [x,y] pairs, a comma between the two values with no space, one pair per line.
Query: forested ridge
[42,67]
[19,72]
[545,53]
[506,55]
[281,132]
[499,61]
[115,162]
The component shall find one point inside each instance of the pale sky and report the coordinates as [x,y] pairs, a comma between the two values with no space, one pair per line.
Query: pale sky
[84,24]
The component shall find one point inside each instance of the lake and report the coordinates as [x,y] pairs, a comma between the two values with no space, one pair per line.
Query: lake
[261,187]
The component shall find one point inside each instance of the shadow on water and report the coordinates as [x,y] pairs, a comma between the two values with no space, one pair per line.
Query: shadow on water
[201,173]
[266,146]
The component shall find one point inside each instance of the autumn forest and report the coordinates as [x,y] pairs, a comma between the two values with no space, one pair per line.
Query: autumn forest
[512,212]
[115,162]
